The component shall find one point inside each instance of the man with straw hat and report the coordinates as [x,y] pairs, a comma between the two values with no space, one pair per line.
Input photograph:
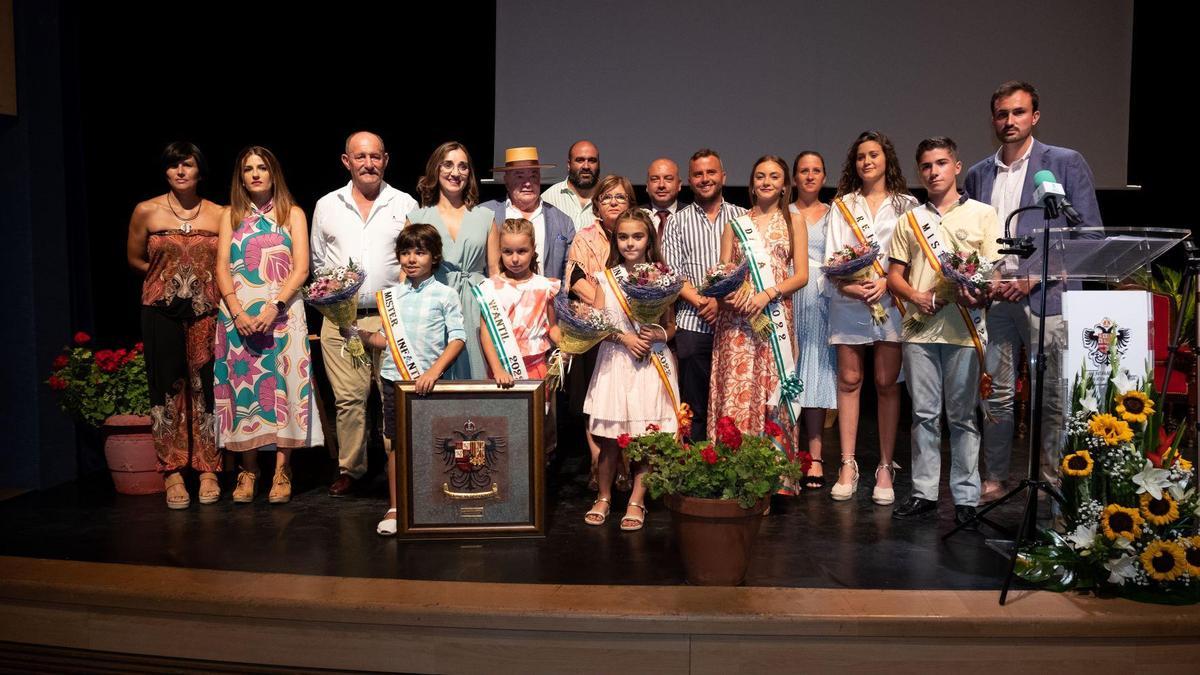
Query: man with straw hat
[553,230]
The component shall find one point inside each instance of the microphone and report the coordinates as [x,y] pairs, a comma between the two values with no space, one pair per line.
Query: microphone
[1051,196]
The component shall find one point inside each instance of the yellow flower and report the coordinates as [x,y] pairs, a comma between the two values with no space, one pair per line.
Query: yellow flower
[1191,554]
[1134,406]
[1183,465]
[1078,464]
[1118,521]
[1110,429]
[1159,511]
[1164,560]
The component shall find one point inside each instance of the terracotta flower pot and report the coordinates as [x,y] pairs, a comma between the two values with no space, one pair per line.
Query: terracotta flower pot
[715,537]
[129,450]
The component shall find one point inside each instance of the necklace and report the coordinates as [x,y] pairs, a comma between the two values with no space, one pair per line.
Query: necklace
[185,224]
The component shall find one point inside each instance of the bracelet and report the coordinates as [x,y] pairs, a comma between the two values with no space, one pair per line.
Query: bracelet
[228,294]
[235,316]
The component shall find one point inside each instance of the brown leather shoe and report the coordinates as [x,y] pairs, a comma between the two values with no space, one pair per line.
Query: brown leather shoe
[342,486]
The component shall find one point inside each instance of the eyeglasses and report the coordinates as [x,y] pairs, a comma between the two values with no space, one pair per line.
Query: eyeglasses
[614,199]
[449,166]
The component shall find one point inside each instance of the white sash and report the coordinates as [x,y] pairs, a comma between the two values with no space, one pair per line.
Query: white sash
[502,337]
[781,337]
[388,302]
[929,232]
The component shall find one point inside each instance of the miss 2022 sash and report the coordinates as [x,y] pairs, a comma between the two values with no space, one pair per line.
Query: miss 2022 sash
[388,302]
[865,235]
[504,341]
[789,386]
[658,352]
[931,245]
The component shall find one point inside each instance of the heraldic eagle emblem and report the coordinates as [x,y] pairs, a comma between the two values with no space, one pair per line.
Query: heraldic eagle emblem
[470,456]
[1104,339]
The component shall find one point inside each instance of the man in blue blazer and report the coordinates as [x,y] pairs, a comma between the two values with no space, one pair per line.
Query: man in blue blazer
[553,229]
[1005,180]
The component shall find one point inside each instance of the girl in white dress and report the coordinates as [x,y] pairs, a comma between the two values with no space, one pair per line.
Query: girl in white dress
[872,192]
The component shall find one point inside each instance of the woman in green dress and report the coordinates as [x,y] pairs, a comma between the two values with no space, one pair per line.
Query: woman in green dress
[449,196]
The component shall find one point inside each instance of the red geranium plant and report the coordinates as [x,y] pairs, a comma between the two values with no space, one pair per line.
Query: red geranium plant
[96,384]
[735,466]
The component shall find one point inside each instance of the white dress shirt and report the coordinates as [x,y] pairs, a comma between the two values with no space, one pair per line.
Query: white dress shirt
[339,234]
[1006,191]
[539,227]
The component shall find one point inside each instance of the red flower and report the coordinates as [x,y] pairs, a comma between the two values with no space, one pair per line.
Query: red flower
[57,383]
[82,338]
[685,431]
[652,427]
[772,429]
[60,362]
[709,455]
[623,441]
[107,360]
[138,347]
[804,460]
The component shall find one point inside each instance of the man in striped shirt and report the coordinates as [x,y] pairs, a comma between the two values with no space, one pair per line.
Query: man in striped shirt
[692,245]
[573,196]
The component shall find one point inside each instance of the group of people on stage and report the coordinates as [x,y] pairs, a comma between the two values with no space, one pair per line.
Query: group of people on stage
[226,337]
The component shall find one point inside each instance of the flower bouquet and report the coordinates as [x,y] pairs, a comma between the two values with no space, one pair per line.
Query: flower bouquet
[723,279]
[650,289]
[855,263]
[735,466]
[95,385]
[334,293]
[960,269]
[581,325]
[1130,500]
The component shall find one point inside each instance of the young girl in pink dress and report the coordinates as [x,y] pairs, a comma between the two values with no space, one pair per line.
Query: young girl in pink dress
[628,392]
[526,302]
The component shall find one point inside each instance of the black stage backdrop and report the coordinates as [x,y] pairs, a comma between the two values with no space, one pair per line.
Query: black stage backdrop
[102,88]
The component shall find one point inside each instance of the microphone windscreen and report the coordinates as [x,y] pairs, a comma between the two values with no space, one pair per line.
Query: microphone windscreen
[1044,176]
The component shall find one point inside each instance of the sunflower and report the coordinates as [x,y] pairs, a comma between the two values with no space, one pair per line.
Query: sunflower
[1110,429]
[1078,464]
[1134,406]
[1119,521]
[1183,465]
[1159,511]
[1164,560]
[1191,554]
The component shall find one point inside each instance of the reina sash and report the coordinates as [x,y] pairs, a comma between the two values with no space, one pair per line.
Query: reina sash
[388,302]
[866,236]
[788,388]
[503,340]
[931,245]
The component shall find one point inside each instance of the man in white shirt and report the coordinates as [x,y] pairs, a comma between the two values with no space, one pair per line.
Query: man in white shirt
[359,221]
[553,230]
[662,184]
[573,196]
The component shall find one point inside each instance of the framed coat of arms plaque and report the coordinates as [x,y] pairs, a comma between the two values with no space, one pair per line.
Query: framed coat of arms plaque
[470,461]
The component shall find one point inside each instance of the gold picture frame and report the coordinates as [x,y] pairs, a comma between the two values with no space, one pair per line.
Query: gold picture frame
[470,460]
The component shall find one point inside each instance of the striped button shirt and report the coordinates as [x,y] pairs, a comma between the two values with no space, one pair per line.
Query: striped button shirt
[432,318]
[692,245]
[562,197]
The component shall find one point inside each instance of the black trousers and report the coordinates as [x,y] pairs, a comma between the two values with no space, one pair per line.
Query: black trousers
[694,351]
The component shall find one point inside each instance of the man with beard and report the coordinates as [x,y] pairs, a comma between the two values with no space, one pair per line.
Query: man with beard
[553,230]
[662,184]
[358,221]
[573,196]
[1005,180]
[691,245]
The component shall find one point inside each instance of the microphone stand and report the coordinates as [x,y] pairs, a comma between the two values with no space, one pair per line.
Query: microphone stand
[1023,247]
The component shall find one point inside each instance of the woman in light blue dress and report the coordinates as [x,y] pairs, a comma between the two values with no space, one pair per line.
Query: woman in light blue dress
[449,197]
[817,361]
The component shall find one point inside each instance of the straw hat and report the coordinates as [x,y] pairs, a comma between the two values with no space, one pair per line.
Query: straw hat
[522,158]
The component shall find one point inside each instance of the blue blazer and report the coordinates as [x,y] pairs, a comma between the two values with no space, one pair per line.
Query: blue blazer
[560,232]
[1072,172]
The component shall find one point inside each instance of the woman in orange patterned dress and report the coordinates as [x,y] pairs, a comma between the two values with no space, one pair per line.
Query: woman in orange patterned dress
[744,371]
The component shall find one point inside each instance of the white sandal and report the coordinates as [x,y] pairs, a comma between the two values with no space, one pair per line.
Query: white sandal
[387,526]
[884,496]
[842,492]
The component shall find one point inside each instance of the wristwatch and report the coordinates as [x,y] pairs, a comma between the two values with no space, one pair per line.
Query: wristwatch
[281,305]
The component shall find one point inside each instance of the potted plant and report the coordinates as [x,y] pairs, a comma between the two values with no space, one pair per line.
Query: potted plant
[107,389]
[717,492]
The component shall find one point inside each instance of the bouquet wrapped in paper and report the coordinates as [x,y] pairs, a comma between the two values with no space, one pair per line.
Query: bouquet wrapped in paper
[856,263]
[724,279]
[334,293]
[581,325]
[650,289]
